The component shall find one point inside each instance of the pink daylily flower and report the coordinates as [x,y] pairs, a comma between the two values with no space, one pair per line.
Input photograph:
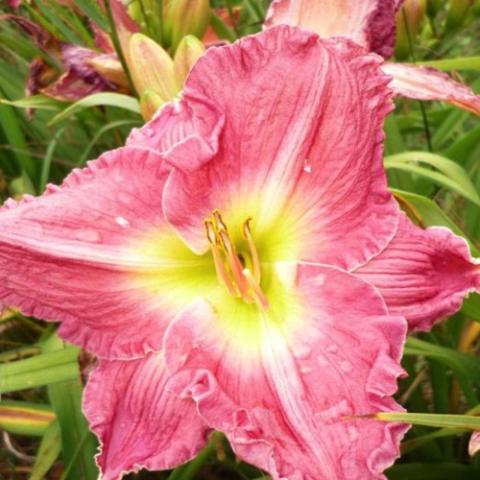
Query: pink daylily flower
[371,23]
[241,266]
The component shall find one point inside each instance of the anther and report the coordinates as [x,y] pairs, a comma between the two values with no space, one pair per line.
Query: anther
[219,223]
[253,250]
[234,263]
[210,229]
[222,274]
[258,296]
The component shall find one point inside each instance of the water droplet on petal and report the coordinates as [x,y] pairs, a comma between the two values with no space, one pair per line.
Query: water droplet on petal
[302,351]
[123,222]
[332,349]
[36,230]
[306,369]
[346,366]
[88,235]
[353,433]
[124,197]
[351,469]
[322,361]
[307,168]
[148,132]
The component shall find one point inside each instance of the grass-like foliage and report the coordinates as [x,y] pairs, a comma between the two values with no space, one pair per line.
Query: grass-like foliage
[432,158]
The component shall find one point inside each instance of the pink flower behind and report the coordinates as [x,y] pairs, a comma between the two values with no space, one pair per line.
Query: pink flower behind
[225,256]
[371,24]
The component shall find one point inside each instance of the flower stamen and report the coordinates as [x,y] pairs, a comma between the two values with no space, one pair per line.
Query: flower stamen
[258,296]
[222,273]
[253,250]
[230,265]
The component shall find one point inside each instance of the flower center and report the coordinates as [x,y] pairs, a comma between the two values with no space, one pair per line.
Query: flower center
[231,266]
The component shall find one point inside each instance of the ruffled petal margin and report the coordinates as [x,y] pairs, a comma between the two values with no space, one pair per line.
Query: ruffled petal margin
[139,422]
[291,154]
[423,83]
[287,399]
[423,275]
[370,23]
[77,254]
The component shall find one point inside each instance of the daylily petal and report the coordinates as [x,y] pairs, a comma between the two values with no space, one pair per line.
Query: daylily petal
[284,385]
[186,133]
[370,23]
[291,150]
[140,423]
[423,275]
[97,255]
[424,83]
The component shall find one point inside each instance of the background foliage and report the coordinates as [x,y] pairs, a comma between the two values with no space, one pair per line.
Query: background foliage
[432,157]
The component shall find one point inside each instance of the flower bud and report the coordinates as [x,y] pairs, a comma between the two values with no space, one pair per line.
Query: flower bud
[184,17]
[189,50]
[409,19]
[150,102]
[109,67]
[151,67]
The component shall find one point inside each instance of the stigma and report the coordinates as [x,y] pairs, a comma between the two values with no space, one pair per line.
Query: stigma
[230,265]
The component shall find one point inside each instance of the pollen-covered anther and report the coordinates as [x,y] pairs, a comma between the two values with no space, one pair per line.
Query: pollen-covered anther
[230,266]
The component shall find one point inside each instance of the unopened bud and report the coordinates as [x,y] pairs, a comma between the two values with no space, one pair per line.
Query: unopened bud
[151,67]
[150,102]
[409,20]
[110,68]
[189,50]
[474,444]
[185,17]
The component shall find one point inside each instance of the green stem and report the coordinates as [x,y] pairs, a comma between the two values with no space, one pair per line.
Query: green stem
[117,44]
[422,107]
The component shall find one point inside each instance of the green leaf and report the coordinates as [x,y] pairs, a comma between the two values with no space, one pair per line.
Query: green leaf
[432,471]
[12,129]
[91,10]
[98,99]
[464,146]
[471,307]
[40,102]
[462,363]
[48,452]
[464,422]
[47,160]
[79,446]
[429,214]
[102,131]
[24,418]
[450,174]
[221,29]
[448,64]
[39,370]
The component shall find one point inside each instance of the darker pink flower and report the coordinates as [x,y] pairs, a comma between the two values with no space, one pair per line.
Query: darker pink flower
[82,73]
[371,23]
[240,265]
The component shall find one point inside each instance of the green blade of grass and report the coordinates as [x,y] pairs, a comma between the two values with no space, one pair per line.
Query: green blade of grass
[79,446]
[463,422]
[24,418]
[98,99]
[449,174]
[48,452]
